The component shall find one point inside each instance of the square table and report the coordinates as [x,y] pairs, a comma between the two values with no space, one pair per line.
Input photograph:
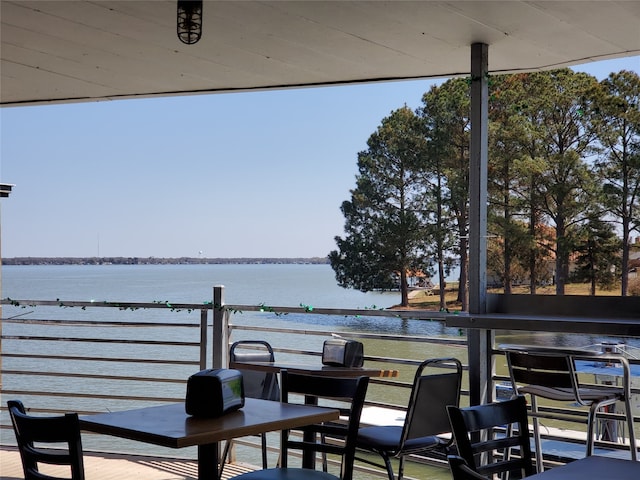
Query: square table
[593,468]
[170,426]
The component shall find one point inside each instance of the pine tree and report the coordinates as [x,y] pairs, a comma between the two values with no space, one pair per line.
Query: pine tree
[385,222]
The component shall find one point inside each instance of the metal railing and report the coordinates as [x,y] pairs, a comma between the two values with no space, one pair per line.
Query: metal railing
[93,357]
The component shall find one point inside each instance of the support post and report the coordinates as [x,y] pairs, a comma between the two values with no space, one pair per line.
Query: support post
[220,343]
[479,341]
[204,315]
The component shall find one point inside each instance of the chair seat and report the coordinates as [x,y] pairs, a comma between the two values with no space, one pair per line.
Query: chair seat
[286,474]
[567,395]
[387,438]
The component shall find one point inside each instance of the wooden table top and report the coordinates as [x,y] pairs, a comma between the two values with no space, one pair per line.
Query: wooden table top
[593,468]
[170,426]
[314,369]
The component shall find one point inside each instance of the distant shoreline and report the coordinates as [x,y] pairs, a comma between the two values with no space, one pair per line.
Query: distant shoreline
[163,261]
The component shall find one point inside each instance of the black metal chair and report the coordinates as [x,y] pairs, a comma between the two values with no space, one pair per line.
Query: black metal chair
[335,392]
[550,373]
[263,385]
[461,471]
[494,438]
[36,435]
[426,420]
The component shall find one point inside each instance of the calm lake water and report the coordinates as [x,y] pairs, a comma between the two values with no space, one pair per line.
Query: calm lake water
[275,285]
[246,284]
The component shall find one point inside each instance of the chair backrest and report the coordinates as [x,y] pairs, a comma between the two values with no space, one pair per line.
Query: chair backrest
[431,394]
[37,435]
[545,368]
[555,371]
[262,385]
[487,434]
[461,471]
[326,391]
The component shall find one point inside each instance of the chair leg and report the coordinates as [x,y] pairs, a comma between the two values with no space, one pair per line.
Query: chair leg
[225,454]
[401,467]
[536,434]
[223,458]
[324,454]
[387,463]
[591,421]
[507,453]
[264,450]
[632,433]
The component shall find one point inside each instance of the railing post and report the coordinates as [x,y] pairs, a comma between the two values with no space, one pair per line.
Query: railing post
[220,329]
[204,314]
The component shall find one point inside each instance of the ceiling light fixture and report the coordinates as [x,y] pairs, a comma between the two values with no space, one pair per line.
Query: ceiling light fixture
[189,21]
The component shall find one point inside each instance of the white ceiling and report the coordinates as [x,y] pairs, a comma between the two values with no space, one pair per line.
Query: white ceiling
[65,51]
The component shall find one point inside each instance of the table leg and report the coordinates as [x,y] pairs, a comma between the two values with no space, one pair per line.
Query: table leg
[208,461]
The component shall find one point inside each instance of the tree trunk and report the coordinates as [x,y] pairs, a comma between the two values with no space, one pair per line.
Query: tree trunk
[561,257]
[442,292]
[463,291]
[533,221]
[507,247]
[404,288]
[625,257]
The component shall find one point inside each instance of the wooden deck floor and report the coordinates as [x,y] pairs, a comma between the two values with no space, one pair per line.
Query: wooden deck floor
[117,467]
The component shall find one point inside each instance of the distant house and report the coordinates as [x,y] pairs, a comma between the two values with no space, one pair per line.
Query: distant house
[416,279]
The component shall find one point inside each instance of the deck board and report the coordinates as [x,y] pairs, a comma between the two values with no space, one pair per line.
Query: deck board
[114,466]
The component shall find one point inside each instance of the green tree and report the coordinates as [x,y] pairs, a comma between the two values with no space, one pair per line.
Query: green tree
[441,106]
[508,136]
[446,113]
[518,97]
[617,115]
[385,225]
[563,134]
[598,259]
[536,241]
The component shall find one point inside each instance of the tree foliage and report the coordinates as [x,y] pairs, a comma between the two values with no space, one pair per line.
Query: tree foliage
[512,248]
[617,119]
[565,134]
[598,254]
[385,218]
[564,160]
[445,113]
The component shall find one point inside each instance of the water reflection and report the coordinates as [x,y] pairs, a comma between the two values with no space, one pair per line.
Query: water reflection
[376,325]
[566,340]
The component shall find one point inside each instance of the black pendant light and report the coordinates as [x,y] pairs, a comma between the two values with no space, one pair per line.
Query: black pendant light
[189,21]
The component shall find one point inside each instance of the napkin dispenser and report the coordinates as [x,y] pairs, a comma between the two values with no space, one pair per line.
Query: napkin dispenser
[214,392]
[342,353]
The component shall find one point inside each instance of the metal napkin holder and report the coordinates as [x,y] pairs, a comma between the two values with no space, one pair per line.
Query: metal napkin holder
[342,353]
[214,392]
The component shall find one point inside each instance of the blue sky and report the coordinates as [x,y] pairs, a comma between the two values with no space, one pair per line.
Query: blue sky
[259,174]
